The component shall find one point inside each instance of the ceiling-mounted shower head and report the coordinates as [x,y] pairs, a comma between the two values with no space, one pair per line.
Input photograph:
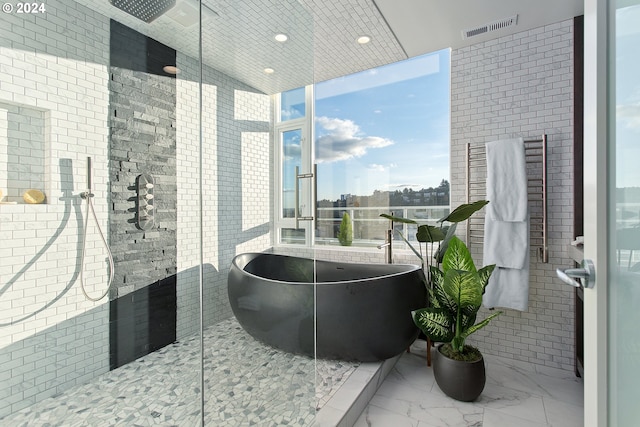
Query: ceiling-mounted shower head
[146,10]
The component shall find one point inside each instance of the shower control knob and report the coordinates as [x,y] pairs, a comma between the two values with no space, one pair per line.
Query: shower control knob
[145,199]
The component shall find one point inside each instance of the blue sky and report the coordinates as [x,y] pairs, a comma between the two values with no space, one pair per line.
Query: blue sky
[384,129]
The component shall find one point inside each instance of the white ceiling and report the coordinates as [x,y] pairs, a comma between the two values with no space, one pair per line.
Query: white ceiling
[424,26]
[238,34]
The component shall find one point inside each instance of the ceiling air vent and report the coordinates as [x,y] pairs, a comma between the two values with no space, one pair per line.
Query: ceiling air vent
[492,26]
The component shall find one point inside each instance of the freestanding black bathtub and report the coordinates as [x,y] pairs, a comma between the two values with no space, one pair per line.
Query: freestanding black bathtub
[363,310]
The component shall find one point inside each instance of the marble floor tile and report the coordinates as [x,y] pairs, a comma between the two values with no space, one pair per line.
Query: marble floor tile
[516,394]
[374,416]
[512,402]
[561,385]
[494,418]
[265,387]
[560,414]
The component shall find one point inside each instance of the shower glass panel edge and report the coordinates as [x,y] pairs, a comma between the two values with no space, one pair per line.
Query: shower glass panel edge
[245,380]
[95,88]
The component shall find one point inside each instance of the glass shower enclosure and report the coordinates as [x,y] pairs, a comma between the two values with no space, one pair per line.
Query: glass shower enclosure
[135,163]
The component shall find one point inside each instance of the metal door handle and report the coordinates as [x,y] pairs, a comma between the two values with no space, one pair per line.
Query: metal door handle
[587,274]
[296,211]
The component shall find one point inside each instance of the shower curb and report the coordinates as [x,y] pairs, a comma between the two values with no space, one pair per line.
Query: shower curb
[346,405]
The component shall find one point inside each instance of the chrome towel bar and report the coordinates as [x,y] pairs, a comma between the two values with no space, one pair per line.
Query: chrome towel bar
[536,162]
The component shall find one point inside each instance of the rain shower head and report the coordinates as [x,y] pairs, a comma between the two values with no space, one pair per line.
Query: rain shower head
[146,10]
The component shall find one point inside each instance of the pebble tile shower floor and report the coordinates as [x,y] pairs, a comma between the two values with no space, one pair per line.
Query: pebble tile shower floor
[246,383]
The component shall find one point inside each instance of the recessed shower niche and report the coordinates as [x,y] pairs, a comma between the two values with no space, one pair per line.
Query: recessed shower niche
[22,151]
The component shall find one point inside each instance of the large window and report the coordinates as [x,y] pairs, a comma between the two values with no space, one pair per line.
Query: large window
[380,139]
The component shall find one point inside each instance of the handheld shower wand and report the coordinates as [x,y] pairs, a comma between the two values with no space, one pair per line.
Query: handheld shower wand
[89,173]
[88,195]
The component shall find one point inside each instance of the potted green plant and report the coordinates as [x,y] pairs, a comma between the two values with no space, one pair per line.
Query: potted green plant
[345,232]
[429,234]
[455,296]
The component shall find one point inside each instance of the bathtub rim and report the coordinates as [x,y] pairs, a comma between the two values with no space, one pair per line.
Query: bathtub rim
[411,269]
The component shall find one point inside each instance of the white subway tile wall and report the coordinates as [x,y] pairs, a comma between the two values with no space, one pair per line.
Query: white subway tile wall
[51,338]
[235,188]
[522,85]
[54,87]
[188,181]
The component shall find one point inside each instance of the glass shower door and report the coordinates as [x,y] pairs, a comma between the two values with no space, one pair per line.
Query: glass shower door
[247,381]
[611,358]
[99,302]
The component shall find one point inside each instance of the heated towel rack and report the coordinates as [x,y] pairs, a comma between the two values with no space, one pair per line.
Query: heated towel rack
[536,162]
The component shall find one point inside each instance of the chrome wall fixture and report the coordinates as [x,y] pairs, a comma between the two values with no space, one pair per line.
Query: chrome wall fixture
[145,201]
[88,196]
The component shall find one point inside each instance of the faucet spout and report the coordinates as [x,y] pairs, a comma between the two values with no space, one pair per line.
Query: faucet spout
[388,247]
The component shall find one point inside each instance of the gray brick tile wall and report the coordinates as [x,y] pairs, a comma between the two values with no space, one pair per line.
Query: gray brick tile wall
[522,85]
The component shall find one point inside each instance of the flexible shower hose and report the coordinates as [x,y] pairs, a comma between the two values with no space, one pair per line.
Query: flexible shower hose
[87,195]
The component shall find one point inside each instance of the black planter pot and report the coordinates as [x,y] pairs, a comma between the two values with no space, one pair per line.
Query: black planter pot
[457,379]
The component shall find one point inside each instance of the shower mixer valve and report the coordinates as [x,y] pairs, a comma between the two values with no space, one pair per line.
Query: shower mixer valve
[144,204]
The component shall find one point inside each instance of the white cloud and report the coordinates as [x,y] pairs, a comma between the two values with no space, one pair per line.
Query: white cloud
[377,168]
[374,167]
[290,113]
[342,140]
[292,151]
[630,114]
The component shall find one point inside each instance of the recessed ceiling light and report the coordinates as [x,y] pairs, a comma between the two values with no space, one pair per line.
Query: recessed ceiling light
[281,37]
[363,39]
[170,69]
[269,70]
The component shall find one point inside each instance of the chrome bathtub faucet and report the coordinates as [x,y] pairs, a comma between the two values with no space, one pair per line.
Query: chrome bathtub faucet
[388,246]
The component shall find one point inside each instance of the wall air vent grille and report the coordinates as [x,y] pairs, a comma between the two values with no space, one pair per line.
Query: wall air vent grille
[492,26]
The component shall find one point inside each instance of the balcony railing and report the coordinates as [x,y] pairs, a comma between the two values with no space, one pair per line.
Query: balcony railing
[369,228]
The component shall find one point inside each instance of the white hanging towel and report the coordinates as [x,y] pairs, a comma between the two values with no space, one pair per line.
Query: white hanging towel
[509,283]
[506,227]
[507,180]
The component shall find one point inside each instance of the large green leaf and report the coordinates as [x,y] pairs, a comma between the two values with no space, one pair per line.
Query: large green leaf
[429,234]
[458,257]
[463,287]
[479,325]
[463,212]
[436,276]
[435,323]
[471,311]
[436,283]
[444,300]
[469,320]
[398,219]
[484,273]
[442,249]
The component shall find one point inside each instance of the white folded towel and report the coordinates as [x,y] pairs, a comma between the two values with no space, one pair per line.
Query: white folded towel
[509,283]
[506,243]
[508,288]
[507,180]
[506,227]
